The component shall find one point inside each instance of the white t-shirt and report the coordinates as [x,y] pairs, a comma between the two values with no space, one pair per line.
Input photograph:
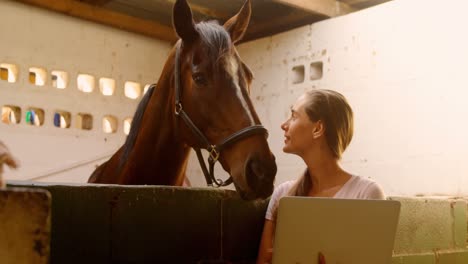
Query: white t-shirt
[355,188]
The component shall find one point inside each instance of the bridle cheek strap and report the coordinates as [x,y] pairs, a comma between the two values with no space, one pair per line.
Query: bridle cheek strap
[213,150]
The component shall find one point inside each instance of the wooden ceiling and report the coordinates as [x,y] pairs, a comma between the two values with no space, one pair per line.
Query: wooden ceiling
[153,17]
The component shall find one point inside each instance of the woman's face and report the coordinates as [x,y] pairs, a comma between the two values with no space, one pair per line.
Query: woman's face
[298,129]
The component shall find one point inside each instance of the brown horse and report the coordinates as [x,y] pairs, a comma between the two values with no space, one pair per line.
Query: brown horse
[205,73]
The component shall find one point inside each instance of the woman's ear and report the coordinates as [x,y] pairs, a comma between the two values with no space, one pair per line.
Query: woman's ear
[318,130]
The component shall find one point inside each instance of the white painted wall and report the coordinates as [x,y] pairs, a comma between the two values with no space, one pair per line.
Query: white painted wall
[33,37]
[402,65]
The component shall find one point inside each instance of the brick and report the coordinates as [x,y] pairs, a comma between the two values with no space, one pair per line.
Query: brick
[427,258]
[454,257]
[460,223]
[427,223]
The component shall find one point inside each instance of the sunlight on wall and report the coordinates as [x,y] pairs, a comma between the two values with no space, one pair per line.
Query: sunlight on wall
[62,119]
[8,72]
[11,114]
[127,125]
[84,121]
[109,124]
[86,83]
[107,86]
[59,79]
[37,76]
[132,90]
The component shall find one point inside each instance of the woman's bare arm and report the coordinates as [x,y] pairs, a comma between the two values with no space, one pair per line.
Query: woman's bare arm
[265,251]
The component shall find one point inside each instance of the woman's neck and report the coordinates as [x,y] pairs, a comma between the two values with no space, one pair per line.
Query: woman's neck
[325,173]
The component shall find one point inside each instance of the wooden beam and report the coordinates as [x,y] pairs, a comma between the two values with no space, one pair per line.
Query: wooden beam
[355,2]
[107,17]
[96,2]
[363,2]
[329,8]
[205,11]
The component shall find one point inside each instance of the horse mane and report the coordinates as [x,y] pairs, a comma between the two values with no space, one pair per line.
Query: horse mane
[135,127]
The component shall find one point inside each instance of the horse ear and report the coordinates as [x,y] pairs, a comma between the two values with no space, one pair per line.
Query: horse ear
[237,25]
[182,20]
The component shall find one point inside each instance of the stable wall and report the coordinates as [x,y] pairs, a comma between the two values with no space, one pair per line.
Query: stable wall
[403,75]
[34,37]
[402,66]
[92,223]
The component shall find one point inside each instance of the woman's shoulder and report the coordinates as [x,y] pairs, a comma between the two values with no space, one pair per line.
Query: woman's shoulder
[286,184]
[280,191]
[283,188]
[364,188]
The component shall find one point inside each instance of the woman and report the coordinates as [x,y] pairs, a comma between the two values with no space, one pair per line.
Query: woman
[319,130]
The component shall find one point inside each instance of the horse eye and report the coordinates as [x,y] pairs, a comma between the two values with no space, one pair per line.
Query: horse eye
[199,79]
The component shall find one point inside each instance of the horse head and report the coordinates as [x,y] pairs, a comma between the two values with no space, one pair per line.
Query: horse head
[214,92]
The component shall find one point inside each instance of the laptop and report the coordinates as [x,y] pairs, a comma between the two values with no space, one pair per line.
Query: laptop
[345,231]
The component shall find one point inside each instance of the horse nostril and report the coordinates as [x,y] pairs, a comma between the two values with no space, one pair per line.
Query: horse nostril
[260,176]
[256,169]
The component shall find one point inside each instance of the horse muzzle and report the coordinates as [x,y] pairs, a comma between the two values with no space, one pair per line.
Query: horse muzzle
[260,176]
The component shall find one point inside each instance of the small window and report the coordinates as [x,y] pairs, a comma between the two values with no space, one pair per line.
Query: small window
[11,114]
[298,74]
[107,86]
[84,121]
[127,125]
[316,70]
[59,79]
[109,124]
[8,72]
[132,90]
[62,119]
[86,83]
[37,76]
[34,116]
[3,74]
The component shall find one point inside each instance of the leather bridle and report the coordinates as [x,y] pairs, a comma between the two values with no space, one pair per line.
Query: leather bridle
[213,150]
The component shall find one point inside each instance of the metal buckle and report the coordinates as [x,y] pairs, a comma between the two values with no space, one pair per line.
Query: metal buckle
[178,108]
[214,154]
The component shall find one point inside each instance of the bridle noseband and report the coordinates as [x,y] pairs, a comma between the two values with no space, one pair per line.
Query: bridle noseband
[214,150]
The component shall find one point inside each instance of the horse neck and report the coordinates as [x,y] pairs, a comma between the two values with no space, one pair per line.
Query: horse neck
[158,156]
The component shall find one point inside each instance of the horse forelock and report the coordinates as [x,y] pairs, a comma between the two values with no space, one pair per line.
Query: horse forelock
[221,51]
[216,39]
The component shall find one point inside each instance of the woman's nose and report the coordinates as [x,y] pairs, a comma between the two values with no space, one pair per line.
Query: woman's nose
[283,126]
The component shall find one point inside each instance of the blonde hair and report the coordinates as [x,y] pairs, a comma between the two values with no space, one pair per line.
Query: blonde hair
[333,110]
